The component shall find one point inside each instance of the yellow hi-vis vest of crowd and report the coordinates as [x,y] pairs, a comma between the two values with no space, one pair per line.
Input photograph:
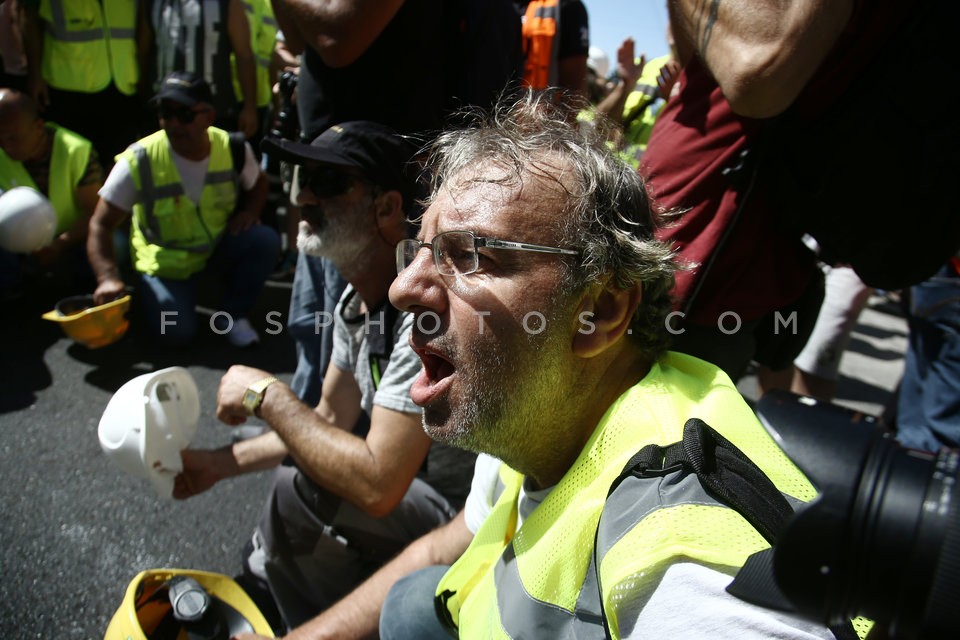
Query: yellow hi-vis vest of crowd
[541,39]
[89,43]
[170,236]
[263,39]
[529,582]
[68,164]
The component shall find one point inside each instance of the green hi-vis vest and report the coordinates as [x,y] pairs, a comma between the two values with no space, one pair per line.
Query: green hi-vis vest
[641,109]
[90,43]
[68,164]
[541,581]
[171,237]
[263,39]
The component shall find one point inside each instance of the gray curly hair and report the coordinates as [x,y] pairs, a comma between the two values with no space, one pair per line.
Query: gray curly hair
[609,215]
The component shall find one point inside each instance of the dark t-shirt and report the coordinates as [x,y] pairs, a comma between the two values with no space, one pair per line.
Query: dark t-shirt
[691,162]
[397,81]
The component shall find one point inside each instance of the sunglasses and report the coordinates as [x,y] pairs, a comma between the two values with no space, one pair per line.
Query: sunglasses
[183,113]
[326,182]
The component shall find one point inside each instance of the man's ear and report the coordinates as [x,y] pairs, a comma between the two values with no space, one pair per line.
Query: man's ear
[605,315]
[389,210]
[389,205]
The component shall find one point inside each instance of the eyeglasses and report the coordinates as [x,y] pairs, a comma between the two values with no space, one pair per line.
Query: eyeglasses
[325,182]
[455,252]
[181,112]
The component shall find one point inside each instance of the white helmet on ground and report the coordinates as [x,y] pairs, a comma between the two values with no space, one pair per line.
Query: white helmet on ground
[148,421]
[27,220]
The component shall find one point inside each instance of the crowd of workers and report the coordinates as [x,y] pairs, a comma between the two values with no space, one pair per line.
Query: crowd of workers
[536,293]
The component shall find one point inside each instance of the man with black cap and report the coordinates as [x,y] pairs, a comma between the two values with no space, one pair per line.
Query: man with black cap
[350,501]
[195,196]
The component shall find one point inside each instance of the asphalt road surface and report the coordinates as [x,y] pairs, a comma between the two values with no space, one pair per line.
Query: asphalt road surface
[75,529]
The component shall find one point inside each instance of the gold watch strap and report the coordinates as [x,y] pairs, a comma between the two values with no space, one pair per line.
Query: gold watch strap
[261,385]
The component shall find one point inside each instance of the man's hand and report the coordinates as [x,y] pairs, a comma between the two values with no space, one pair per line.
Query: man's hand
[247,120]
[37,88]
[233,385]
[201,470]
[109,289]
[667,79]
[628,68]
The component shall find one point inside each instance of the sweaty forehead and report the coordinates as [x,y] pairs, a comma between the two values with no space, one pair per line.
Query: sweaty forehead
[492,200]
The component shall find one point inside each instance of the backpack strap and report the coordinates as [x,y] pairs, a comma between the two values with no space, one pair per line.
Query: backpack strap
[238,150]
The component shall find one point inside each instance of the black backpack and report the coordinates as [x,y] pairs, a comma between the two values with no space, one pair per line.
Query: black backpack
[873,179]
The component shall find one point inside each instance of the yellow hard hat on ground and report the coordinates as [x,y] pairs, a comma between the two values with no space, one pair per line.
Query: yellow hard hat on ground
[91,325]
[169,604]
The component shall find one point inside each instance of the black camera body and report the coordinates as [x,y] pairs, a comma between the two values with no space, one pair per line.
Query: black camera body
[882,538]
[286,123]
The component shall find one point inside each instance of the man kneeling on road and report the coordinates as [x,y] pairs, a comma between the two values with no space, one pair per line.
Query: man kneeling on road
[540,297]
[350,501]
[195,204]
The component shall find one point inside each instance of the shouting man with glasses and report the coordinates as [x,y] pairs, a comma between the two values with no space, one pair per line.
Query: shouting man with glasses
[195,194]
[540,297]
[355,490]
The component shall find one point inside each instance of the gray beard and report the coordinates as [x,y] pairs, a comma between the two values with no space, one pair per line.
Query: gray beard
[323,245]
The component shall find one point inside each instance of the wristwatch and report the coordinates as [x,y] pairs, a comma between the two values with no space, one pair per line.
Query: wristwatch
[253,396]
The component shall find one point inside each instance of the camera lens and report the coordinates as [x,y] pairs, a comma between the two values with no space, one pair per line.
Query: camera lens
[901,543]
[882,539]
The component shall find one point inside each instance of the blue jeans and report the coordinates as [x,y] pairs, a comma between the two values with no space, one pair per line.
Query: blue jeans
[244,261]
[928,415]
[408,612]
[317,286]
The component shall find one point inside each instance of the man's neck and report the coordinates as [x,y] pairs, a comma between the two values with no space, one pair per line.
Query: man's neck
[596,393]
[195,150]
[44,146]
[371,280]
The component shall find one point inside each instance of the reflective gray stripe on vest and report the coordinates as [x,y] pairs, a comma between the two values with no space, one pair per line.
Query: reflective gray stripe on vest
[151,193]
[647,90]
[57,27]
[523,616]
[263,62]
[547,12]
[636,498]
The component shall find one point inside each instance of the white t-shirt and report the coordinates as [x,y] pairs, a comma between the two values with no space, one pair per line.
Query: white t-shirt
[120,191]
[690,602]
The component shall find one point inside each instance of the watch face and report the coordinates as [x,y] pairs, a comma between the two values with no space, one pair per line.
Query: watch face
[250,400]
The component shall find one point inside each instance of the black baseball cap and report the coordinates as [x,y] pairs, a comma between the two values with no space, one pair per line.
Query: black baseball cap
[184,87]
[377,150]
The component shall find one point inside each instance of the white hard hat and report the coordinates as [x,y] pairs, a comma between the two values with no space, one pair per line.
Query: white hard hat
[598,61]
[27,220]
[148,421]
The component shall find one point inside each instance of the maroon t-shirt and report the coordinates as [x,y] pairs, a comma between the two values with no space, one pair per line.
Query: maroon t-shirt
[691,163]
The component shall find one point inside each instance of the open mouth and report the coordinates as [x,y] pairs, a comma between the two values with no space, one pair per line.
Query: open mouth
[434,378]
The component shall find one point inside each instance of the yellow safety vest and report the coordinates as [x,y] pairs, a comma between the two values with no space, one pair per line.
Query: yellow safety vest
[541,38]
[641,109]
[540,580]
[90,43]
[263,39]
[68,165]
[170,236]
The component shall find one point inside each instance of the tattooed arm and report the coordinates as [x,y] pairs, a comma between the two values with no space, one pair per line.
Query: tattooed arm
[761,52]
